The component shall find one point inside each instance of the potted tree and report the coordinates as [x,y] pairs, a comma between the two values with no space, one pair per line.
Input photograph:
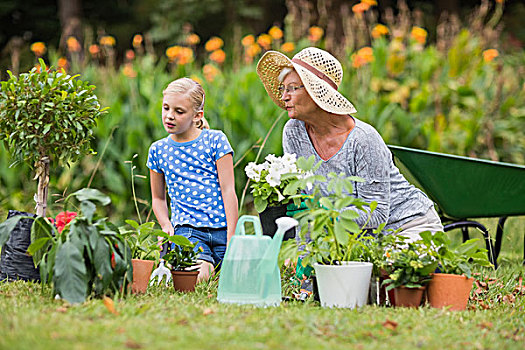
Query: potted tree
[409,267]
[46,118]
[141,239]
[451,287]
[182,259]
[334,242]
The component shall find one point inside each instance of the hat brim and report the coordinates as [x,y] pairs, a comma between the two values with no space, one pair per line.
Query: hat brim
[326,97]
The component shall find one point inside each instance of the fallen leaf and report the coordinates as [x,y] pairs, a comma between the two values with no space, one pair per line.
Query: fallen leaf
[110,305]
[509,299]
[208,311]
[121,330]
[485,325]
[131,344]
[389,324]
[62,309]
[182,322]
[210,296]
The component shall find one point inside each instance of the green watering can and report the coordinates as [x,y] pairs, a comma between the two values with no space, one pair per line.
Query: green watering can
[249,272]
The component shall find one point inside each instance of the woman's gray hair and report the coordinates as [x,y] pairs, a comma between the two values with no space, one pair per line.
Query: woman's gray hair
[284,73]
[190,87]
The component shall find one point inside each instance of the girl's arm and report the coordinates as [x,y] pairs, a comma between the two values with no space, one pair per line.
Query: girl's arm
[158,199]
[227,183]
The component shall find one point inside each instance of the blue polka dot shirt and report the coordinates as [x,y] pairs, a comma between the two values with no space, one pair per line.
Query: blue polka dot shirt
[190,172]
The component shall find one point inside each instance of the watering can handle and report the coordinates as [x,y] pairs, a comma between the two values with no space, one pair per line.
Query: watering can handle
[239,230]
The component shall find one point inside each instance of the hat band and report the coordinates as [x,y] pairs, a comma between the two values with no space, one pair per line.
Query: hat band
[315,71]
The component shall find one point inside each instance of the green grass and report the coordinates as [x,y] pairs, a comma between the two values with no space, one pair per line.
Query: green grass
[31,319]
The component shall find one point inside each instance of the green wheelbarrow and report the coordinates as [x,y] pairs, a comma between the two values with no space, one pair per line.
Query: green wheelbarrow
[467,188]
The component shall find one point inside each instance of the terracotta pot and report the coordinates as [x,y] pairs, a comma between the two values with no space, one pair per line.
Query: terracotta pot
[184,281]
[449,290]
[141,274]
[408,297]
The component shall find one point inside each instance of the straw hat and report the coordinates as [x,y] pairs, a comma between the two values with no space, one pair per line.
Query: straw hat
[320,72]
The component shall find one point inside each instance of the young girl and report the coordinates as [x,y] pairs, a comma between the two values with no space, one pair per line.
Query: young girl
[196,164]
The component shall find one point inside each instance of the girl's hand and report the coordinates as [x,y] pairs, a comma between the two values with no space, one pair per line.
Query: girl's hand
[167,229]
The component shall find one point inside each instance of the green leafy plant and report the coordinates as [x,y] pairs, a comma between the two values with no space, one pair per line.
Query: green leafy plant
[88,256]
[407,264]
[183,255]
[455,260]
[47,116]
[328,228]
[141,239]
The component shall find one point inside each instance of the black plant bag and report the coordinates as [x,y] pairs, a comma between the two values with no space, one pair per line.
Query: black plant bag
[15,263]
[268,217]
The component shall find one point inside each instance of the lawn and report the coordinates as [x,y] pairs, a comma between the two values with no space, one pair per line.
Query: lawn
[161,318]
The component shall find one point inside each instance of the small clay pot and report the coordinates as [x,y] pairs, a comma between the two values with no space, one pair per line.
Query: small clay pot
[141,274]
[184,281]
[447,290]
[408,297]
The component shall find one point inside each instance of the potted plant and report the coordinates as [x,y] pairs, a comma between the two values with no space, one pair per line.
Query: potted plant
[46,117]
[273,185]
[409,267]
[334,242]
[141,239]
[87,256]
[182,260]
[451,287]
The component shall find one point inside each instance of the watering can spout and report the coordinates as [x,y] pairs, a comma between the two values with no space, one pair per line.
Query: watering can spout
[283,224]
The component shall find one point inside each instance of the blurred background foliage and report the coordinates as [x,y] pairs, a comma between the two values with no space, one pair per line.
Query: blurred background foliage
[447,77]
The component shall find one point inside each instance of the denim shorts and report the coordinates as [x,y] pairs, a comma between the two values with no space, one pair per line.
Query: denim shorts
[212,241]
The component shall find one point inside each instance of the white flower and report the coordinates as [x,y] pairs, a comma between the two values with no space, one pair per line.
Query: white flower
[253,171]
[273,178]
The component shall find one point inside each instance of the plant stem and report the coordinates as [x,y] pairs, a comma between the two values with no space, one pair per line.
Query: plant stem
[258,155]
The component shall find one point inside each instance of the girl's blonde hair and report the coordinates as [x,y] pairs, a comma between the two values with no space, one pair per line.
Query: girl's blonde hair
[194,91]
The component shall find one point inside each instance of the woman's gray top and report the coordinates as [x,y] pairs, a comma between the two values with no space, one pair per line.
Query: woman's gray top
[364,154]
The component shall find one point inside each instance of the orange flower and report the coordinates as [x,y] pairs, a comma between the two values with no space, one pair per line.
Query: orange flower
[490,54]
[128,70]
[359,8]
[419,34]
[287,47]
[130,55]
[379,30]
[72,44]
[370,2]
[62,63]
[196,78]
[253,50]
[264,40]
[315,33]
[213,44]
[362,57]
[500,1]
[275,32]
[218,56]
[137,40]
[38,48]
[193,39]
[248,40]
[107,40]
[185,56]
[173,52]
[210,72]
[38,68]
[94,49]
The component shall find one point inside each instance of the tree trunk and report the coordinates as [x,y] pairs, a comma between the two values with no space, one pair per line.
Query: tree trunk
[42,173]
[70,14]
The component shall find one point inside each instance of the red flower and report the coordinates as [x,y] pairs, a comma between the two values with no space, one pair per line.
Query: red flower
[64,218]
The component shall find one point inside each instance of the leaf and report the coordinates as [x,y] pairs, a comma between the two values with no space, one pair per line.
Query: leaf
[7,226]
[341,234]
[110,305]
[88,209]
[91,194]
[132,223]
[70,274]
[180,240]
[102,262]
[260,204]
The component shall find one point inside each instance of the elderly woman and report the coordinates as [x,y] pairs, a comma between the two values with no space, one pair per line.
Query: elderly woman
[321,124]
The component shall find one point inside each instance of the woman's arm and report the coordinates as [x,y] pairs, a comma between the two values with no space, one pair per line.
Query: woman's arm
[227,183]
[158,199]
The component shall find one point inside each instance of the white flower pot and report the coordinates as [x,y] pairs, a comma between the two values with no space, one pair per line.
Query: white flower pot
[344,285]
